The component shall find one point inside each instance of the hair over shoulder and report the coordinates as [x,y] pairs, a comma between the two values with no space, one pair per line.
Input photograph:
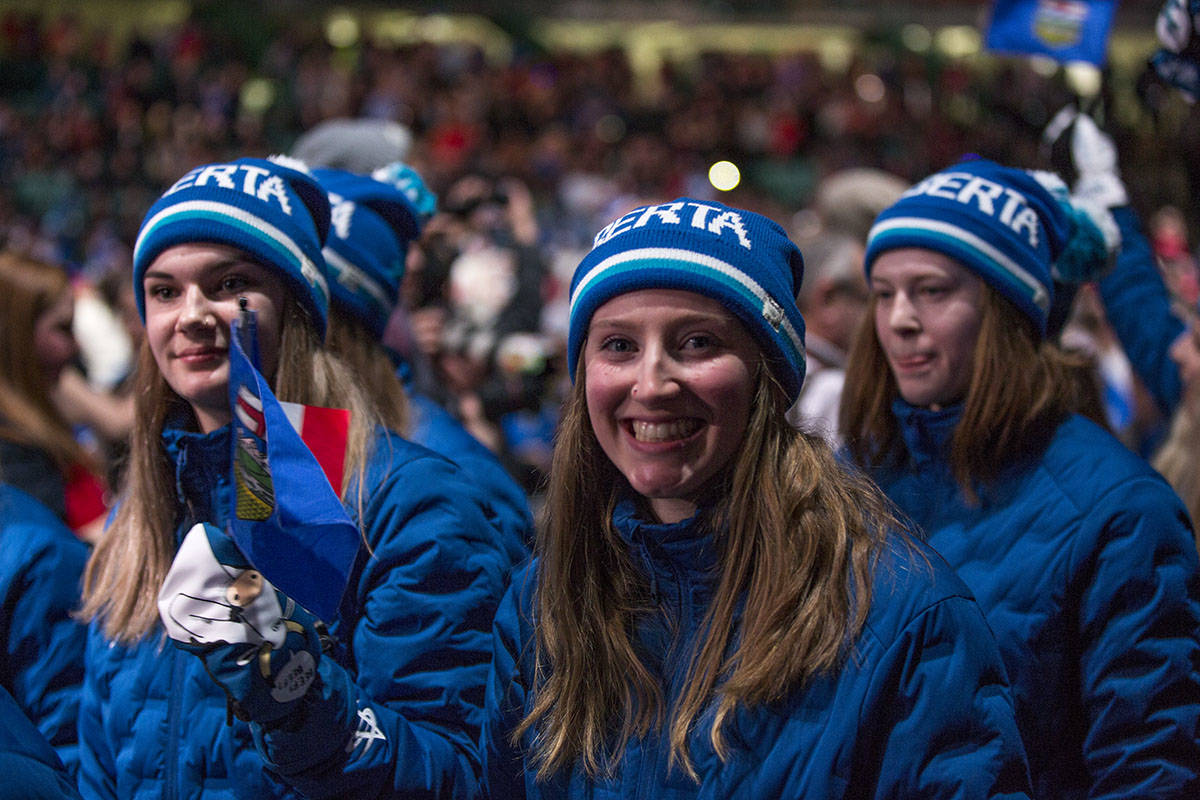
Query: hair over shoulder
[798,536]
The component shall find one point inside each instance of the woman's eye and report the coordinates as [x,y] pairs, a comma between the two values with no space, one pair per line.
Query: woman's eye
[882,294]
[933,291]
[233,283]
[616,344]
[161,292]
[698,342]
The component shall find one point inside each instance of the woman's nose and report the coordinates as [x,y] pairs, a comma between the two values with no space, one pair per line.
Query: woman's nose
[655,376]
[902,316]
[197,309]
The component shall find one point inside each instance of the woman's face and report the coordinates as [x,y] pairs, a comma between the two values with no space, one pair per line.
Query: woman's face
[53,342]
[669,381]
[928,309]
[192,293]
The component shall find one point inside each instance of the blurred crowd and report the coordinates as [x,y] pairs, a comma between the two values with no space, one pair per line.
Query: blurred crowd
[528,158]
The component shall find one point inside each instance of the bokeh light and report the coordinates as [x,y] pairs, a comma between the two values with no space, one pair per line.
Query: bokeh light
[724,176]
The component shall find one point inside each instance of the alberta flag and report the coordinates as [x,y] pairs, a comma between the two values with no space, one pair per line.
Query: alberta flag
[1064,30]
[286,458]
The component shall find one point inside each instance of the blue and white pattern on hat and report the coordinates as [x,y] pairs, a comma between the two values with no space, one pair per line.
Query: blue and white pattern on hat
[740,259]
[373,223]
[275,213]
[999,222]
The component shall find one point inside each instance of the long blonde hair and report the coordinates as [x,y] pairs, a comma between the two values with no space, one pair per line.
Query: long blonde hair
[28,289]
[1178,460]
[1021,389]
[797,537]
[355,345]
[131,559]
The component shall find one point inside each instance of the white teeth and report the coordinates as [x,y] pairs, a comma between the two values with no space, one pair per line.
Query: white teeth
[664,431]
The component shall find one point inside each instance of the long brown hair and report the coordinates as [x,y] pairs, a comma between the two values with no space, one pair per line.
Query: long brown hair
[133,556]
[797,536]
[1021,389]
[28,289]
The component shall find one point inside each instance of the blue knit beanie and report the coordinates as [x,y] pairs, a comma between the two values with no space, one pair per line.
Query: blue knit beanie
[271,209]
[1001,223]
[742,260]
[373,223]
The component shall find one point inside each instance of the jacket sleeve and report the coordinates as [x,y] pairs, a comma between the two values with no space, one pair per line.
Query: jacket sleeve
[401,714]
[503,765]
[941,707]
[1138,306]
[43,643]
[1139,620]
[97,775]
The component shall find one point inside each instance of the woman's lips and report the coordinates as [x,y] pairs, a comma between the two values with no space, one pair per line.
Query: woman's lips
[200,355]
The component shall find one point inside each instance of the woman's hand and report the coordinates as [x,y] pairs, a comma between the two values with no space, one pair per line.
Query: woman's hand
[257,643]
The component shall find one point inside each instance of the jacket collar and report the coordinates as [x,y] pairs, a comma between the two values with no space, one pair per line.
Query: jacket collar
[927,433]
[668,550]
[201,463]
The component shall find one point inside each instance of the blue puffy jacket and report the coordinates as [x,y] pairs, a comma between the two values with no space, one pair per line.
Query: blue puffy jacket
[921,709]
[398,708]
[41,663]
[435,428]
[31,769]
[1083,561]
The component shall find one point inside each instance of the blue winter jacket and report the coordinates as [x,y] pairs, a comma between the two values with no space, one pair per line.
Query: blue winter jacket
[30,768]
[1083,561]
[41,663]
[433,426]
[919,709]
[397,709]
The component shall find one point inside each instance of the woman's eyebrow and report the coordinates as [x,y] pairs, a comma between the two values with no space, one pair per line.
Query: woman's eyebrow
[214,266]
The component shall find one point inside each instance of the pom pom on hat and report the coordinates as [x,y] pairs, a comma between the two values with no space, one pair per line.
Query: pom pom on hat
[373,223]
[273,211]
[408,181]
[1094,237]
[998,222]
[738,258]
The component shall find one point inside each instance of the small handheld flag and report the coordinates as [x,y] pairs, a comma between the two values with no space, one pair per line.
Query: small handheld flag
[286,516]
[1064,30]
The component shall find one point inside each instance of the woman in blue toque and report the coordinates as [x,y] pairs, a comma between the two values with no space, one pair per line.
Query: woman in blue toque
[389,700]
[717,608]
[976,427]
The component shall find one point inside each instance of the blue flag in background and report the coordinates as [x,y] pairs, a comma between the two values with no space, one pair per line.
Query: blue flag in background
[287,519]
[1065,30]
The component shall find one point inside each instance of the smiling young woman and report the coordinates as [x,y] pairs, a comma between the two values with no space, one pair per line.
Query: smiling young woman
[984,434]
[717,607]
[393,705]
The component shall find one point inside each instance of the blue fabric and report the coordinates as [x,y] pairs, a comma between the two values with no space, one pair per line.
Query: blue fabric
[738,258]
[507,504]
[414,628]
[41,660]
[1064,31]
[273,211]
[31,769]
[921,708]
[373,223]
[1083,561]
[998,222]
[286,519]
[1138,306]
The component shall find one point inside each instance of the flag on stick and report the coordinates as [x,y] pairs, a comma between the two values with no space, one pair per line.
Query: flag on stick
[286,460]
